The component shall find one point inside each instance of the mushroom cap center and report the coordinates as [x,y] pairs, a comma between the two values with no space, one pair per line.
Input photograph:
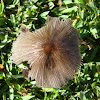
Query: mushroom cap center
[48,48]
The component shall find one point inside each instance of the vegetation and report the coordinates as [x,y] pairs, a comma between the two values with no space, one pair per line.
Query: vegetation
[32,14]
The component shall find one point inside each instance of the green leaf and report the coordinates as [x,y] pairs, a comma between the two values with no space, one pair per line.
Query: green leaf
[13,19]
[51,5]
[67,1]
[82,1]
[17,76]
[1,76]
[45,98]
[64,16]
[11,95]
[27,97]
[15,2]
[4,96]
[22,66]
[76,1]
[93,84]
[81,14]
[1,6]
[44,14]
[69,10]
[82,96]
[94,32]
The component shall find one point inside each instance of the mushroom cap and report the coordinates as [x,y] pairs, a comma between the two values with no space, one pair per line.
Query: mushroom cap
[52,52]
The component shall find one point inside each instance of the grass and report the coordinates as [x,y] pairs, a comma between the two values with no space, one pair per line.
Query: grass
[85,15]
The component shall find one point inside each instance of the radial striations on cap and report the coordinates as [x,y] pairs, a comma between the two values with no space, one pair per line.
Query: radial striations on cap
[51,51]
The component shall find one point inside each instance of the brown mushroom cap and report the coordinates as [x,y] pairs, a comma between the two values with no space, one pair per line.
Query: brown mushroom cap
[52,52]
